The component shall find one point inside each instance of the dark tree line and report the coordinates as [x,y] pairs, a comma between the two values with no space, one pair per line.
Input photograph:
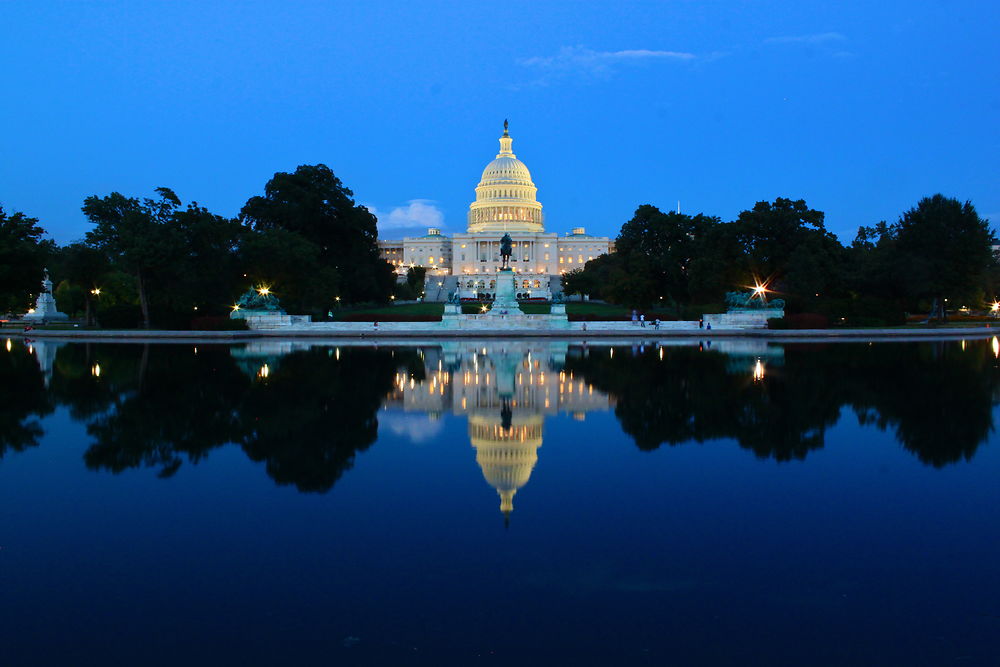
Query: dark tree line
[939,249]
[158,261]
[308,416]
[937,398]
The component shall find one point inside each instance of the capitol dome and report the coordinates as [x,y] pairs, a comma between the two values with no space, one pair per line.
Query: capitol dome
[505,196]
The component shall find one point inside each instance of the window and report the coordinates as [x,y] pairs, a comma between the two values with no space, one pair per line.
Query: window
[546,257]
[560,260]
[538,283]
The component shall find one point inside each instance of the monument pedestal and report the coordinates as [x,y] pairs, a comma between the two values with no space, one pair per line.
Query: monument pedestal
[45,306]
[505,301]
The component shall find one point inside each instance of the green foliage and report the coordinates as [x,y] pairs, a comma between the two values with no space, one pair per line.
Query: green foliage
[314,204]
[939,249]
[23,254]
[137,236]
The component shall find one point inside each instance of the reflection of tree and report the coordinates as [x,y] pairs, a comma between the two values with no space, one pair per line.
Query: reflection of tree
[75,385]
[937,396]
[157,406]
[690,395]
[22,396]
[314,412]
[176,403]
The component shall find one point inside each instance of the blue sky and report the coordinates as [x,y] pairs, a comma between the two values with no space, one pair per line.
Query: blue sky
[860,108]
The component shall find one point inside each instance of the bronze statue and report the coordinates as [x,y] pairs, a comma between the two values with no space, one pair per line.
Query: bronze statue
[505,250]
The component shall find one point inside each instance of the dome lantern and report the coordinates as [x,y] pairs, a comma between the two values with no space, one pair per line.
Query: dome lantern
[505,196]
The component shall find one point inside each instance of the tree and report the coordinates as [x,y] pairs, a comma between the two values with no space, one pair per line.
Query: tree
[656,251]
[313,203]
[947,247]
[771,233]
[22,257]
[290,266]
[206,276]
[83,266]
[136,235]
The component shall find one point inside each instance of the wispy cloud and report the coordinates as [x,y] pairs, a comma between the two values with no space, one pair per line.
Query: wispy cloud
[416,213]
[586,63]
[817,38]
[417,428]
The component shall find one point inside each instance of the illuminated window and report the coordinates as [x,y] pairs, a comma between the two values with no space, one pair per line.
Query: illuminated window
[560,260]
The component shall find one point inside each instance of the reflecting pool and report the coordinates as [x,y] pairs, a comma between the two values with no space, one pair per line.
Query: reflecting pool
[500,502]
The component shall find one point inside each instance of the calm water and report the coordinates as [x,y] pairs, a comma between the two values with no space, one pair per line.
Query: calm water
[499,502]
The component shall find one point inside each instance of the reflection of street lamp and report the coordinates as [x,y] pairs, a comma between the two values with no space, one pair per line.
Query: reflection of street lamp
[995,308]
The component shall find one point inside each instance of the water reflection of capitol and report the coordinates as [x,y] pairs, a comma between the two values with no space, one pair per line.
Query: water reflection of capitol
[506,390]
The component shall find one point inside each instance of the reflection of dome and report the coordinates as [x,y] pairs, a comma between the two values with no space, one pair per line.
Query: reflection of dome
[506,456]
[505,196]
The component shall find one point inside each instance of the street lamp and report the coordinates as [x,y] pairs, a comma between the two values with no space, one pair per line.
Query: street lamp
[96,291]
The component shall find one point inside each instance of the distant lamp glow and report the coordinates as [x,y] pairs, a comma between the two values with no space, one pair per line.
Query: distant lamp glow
[263,290]
[759,289]
[392,297]
[31,310]
[264,371]
[236,307]
[96,291]
[995,307]
[996,347]
[96,370]
[484,308]
[758,371]
[9,345]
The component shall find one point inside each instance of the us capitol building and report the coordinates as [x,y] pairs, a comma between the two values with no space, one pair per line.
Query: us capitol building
[505,203]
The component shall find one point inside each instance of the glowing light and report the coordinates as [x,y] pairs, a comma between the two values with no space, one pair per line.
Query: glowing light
[236,307]
[9,345]
[759,289]
[264,371]
[996,347]
[263,290]
[96,291]
[484,309]
[758,371]
[96,370]
[31,310]
[336,298]
[995,307]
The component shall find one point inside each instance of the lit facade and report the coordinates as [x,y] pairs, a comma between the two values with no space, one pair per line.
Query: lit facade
[506,203]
